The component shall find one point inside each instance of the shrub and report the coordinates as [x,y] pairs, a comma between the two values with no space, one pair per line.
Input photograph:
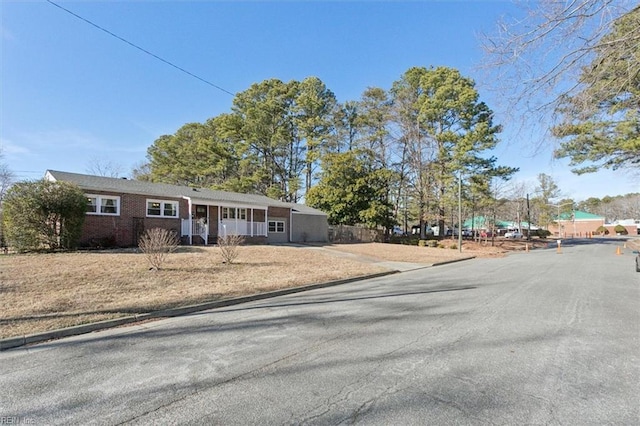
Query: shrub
[620,230]
[542,233]
[156,244]
[453,246]
[602,230]
[43,215]
[229,247]
[103,242]
[422,243]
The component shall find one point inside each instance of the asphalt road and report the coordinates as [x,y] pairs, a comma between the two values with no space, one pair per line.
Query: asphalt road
[537,338]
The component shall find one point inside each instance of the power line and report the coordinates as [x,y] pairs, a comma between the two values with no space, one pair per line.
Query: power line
[140,48]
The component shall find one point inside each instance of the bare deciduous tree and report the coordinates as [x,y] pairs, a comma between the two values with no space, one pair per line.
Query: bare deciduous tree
[141,171]
[157,244]
[229,247]
[6,178]
[106,168]
[537,59]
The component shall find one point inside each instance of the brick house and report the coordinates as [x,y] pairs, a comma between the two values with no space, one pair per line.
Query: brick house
[120,210]
[576,224]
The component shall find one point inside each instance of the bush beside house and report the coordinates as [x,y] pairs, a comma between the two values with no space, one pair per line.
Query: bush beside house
[43,215]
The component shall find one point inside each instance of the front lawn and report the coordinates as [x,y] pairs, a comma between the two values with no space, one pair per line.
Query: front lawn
[49,291]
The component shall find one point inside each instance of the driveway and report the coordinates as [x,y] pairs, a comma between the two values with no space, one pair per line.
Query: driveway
[536,338]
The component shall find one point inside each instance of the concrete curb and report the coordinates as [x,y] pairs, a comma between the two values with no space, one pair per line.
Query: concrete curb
[14,342]
[446,262]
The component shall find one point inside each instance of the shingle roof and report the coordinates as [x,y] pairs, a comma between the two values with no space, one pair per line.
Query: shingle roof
[128,186]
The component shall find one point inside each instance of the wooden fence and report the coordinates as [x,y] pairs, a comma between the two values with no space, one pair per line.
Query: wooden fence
[354,234]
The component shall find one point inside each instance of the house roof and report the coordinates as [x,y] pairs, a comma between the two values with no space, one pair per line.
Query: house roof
[580,215]
[481,221]
[129,186]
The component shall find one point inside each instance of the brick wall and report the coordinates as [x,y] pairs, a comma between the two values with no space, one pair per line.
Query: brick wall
[569,229]
[123,230]
[584,228]
[631,229]
[279,212]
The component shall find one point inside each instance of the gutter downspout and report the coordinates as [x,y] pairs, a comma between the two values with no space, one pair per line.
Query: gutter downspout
[290,225]
[190,220]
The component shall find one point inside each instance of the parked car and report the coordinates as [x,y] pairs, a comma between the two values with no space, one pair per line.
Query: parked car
[467,233]
[415,230]
[513,234]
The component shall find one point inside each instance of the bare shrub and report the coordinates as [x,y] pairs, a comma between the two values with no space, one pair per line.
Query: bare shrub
[229,247]
[156,244]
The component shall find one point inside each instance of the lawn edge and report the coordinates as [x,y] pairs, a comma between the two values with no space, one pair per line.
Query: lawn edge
[18,341]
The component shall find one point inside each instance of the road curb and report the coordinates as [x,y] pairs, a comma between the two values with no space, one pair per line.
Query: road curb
[15,342]
[446,262]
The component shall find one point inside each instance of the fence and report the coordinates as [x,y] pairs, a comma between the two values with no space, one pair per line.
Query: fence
[354,234]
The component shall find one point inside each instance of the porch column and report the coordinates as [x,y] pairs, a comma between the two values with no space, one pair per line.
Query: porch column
[190,221]
[206,227]
[266,222]
[252,221]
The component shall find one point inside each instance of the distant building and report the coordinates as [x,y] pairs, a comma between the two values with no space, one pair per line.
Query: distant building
[575,224]
[632,225]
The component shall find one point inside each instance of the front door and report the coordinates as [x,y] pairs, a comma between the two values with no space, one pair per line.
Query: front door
[201,220]
[201,212]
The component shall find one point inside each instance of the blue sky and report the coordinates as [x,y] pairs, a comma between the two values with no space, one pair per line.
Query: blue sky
[71,94]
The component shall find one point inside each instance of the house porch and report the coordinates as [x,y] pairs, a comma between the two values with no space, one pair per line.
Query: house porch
[207,222]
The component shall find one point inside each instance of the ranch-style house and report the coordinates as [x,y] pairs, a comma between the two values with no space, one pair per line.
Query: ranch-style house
[119,210]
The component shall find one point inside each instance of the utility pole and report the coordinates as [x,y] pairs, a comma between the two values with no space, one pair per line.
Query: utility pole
[528,219]
[460,211]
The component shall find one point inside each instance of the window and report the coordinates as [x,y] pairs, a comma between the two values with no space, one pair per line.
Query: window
[228,213]
[170,209]
[108,206]
[153,208]
[162,208]
[276,226]
[103,205]
[233,213]
[92,205]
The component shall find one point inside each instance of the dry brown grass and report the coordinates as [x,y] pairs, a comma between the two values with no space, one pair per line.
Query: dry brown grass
[49,291]
[448,250]
[415,254]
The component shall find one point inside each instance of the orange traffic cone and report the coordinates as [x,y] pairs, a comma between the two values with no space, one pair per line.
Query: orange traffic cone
[618,251]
